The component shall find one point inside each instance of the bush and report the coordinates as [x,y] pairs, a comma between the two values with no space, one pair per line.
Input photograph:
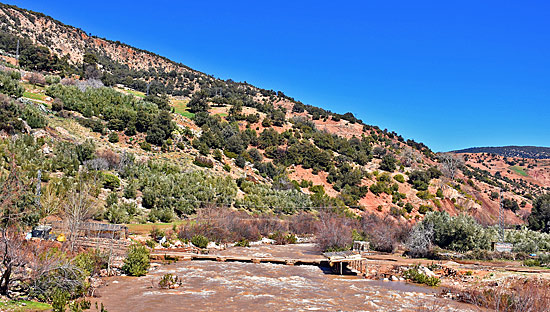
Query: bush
[116,214]
[51,79]
[416,276]
[113,137]
[334,233]
[57,105]
[137,261]
[420,179]
[110,181]
[399,178]
[388,163]
[281,238]
[168,280]
[424,195]
[423,209]
[460,233]
[200,241]
[203,162]
[243,243]
[10,86]
[91,261]
[145,146]
[531,262]
[60,299]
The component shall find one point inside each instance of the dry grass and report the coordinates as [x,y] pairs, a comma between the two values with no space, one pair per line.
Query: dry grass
[511,295]
[148,227]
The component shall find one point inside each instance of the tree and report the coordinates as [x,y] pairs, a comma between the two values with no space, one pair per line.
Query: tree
[510,204]
[15,208]
[450,164]
[38,58]
[419,179]
[409,157]
[199,102]
[52,199]
[81,204]
[539,220]
[10,86]
[388,163]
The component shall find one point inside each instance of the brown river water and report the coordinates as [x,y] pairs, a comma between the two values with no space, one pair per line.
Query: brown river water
[236,286]
[231,286]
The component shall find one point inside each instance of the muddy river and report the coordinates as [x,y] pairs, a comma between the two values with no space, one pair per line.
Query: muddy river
[234,286]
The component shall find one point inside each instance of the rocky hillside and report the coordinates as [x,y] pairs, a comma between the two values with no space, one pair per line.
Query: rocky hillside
[169,139]
[533,152]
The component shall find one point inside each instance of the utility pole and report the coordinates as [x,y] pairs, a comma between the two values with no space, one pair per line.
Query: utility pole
[38,187]
[501,217]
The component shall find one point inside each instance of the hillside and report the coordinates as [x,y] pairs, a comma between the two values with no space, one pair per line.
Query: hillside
[168,139]
[533,152]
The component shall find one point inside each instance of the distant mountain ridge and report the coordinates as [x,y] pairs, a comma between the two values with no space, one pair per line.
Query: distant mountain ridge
[533,152]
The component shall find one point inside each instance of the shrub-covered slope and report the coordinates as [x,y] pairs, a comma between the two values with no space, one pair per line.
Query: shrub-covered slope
[158,140]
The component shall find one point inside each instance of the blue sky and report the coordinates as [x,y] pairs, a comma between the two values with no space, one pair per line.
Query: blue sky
[451,75]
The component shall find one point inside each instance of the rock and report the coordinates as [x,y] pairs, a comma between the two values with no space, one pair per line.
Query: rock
[115,282]
[39,134]
[427,272]
[394,278]
[212,245]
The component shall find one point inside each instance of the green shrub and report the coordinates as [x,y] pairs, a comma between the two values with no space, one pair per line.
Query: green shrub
[33,117]
[137,261]
[424,195]
[91,261]
[168,280]
[10,86]
[460,233]
[531,262]
[150,243]
[229,154]
[227,168]
[423,209]
[145,146]
[110,181]
[116,214]
[130,191]
[60,299]
[243,243]
[113,137]
[416,276]
[399,178]
[439,193]
[51,79]
[200,241]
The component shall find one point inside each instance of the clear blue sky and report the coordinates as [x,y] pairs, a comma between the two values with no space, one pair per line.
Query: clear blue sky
[451,75]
